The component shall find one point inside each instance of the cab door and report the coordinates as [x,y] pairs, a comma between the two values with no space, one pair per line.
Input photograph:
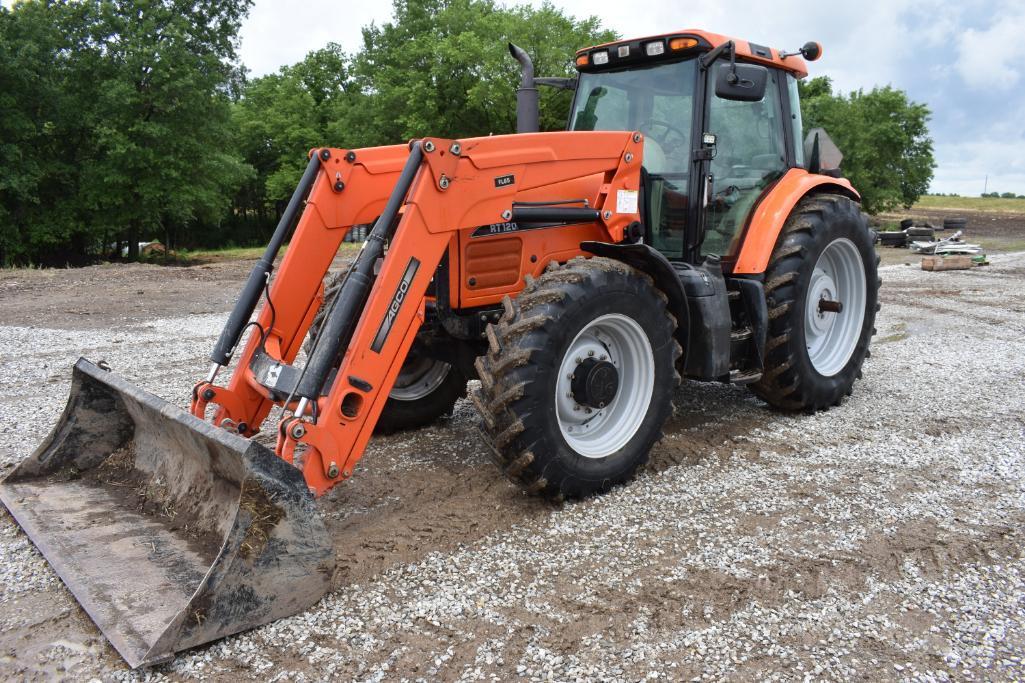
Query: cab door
[749,156]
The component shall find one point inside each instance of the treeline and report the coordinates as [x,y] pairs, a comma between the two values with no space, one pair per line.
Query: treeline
[124,121]
[130,120]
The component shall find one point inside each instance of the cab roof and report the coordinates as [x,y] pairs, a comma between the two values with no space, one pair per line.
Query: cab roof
[634,51]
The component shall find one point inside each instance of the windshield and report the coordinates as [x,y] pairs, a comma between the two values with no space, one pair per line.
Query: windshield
[658,101]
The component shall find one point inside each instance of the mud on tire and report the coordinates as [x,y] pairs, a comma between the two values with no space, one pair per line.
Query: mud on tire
[520,374]
[791,380]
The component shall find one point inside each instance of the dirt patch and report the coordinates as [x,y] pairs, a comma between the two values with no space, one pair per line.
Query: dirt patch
[115,294]
[134,489]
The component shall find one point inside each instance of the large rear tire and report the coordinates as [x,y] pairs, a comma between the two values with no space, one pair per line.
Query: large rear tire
[824,257]
[578,378]
[425,389]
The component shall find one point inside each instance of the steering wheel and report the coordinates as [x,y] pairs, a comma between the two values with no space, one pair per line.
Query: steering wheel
[665,140]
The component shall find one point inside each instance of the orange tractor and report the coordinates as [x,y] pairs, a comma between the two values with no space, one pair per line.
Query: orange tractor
[679,228]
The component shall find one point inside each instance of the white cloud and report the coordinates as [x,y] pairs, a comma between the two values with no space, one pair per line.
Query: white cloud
[281,32]
[991,57]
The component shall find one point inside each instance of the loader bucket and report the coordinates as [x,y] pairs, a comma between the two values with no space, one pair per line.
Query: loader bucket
[169,531]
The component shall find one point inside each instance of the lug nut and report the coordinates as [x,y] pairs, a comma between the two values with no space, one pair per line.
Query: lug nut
[455,148]
[579,360]
[591,353]
[428,146]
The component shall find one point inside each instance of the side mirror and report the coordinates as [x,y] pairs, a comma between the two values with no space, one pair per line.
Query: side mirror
[741,82]
[811,50]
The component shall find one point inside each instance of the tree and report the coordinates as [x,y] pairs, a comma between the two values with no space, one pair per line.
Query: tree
[43,123]
[162,73]
[114,122]
[884,138]
[442,67]
[281,116]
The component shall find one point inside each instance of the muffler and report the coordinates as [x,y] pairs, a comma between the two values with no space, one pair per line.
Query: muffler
[169,531]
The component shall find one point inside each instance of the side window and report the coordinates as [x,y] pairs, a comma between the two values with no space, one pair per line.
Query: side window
[604,109]
[795,119]
[750,154]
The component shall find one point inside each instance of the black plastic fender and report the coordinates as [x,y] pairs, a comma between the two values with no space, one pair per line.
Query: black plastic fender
[651,261]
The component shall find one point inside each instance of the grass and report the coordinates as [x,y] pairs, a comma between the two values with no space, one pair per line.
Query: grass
[200,256]
[971,203]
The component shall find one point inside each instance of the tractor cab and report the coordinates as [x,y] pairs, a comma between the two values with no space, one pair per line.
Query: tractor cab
[721,120]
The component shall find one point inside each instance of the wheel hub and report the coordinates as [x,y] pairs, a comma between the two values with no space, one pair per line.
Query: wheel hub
[835,307]
[595,383]
[596,418]
[822,287]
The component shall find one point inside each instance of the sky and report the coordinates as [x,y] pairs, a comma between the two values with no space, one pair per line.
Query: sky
[964,59]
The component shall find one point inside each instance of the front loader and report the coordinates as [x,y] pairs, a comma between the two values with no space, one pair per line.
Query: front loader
[679,228]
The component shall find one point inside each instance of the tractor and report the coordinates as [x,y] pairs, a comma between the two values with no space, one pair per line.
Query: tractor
[679,228]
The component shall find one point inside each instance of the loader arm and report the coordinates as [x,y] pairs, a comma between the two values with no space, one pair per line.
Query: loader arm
[450,187]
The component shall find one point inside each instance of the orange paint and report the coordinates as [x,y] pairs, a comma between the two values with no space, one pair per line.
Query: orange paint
[768,218]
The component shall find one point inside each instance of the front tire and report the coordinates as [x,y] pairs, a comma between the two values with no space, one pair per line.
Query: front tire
[578,378]
[822,290]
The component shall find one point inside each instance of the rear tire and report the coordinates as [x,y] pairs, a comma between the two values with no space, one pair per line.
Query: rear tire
[425,389]
[813,357]
[555,430]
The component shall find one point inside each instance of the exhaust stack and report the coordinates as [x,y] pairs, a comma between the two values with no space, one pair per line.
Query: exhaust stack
[527,100]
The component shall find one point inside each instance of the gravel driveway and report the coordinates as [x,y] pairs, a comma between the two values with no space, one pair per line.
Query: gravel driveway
[880,540]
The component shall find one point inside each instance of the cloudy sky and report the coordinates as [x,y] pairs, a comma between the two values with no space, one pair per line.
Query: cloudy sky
[965,59]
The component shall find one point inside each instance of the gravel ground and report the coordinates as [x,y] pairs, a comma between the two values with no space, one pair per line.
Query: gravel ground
[880,540]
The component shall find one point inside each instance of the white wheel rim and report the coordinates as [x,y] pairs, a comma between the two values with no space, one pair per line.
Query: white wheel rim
[831,338]
[599,432]
[419,379]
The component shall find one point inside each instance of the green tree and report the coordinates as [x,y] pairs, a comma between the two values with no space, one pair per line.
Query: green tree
[442,67]
[114,122]
[884,138]
[281,116]
[43,132]
[163,69]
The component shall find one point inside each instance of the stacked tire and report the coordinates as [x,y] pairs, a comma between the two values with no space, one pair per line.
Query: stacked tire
[920,234]
[893,238]
[955,223]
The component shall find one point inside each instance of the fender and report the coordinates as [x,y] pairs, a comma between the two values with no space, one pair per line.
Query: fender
[651,261]
[772,212]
